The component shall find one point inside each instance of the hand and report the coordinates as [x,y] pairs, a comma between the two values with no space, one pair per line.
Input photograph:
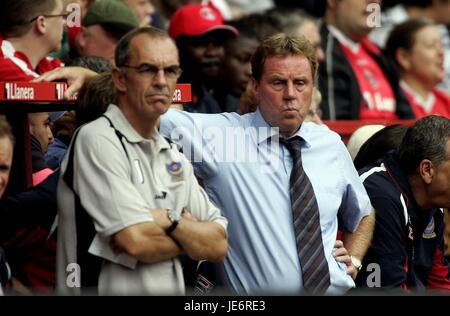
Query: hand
[188,215]
[340,253]
[160,217]
[75,77]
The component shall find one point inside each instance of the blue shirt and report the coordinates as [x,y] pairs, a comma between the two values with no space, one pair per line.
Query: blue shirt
[246,174]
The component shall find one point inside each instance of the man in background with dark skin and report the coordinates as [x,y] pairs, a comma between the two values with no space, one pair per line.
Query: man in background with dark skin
[200,35]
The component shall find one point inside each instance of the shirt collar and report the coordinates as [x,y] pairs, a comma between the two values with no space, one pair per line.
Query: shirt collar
[121,123]
[426,103]
[263,129]
[344,40]
[17,57]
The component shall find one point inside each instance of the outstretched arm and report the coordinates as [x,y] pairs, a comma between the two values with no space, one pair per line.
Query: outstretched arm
[75,77]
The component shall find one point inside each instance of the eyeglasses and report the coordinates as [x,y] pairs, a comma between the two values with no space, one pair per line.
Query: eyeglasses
[63,15]
[150,71]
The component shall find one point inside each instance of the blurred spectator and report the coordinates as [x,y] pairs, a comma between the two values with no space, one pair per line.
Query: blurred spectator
[24,46]
[263,25]
[94,98]
[94,63]
[315,114]
[408,190]
[6,154]
[236,68]
[360,136]
[416,47]
[29,31]
[200,34]
[240,8]
[436,10]
[447,233]
[166,8]
[105,22]
[297,22]
[143,9]
[41,137]
[31,248]
[355,80]
[304,4]
[387,139]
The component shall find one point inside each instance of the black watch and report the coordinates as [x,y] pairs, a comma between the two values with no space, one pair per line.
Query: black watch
[174,218]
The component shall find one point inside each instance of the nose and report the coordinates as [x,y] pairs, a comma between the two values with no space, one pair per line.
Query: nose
[160,79]
[213,50]
[289,91]
[51,139]
[248,69]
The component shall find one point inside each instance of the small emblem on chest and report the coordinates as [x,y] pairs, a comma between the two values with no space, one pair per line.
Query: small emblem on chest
[175,169]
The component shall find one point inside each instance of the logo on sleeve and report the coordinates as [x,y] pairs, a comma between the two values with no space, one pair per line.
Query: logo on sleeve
[175,169]
[429,230]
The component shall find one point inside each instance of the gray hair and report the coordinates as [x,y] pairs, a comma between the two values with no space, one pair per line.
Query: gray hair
[426,139]
[122,53]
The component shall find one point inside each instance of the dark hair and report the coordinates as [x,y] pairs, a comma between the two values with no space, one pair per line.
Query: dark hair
[5,129]
[426,139]
[404,36]
[262,24]
[122,53]
[16,15]
[386,139]
[94,63]
[94,98]
[283,45]
[245,29]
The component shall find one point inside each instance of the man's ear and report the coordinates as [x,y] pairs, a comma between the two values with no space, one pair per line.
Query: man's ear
[40,25]
[119,79]
[426,171]
[254,90]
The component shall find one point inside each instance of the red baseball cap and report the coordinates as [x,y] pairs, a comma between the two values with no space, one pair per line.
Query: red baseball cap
[198,19]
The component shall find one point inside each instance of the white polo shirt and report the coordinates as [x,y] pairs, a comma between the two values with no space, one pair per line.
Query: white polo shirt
[118,192]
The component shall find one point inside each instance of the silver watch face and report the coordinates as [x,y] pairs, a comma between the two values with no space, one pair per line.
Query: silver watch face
[173,215]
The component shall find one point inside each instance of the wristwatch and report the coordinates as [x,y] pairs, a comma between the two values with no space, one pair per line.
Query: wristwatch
[356,262]
[174,218]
